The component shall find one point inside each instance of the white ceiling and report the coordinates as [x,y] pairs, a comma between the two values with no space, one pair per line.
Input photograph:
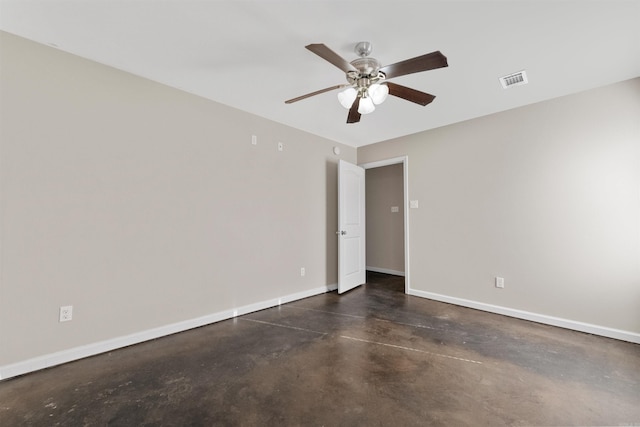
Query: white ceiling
[250,54]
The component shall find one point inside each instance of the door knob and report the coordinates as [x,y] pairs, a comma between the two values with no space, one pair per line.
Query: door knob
[341,232]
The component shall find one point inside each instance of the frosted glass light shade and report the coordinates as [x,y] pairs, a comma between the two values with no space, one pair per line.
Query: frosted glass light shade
[378,93]
[346,97]
[366,106]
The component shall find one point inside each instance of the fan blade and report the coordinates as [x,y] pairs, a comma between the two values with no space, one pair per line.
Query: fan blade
[327,54]
[354,116]
[426,62]
[410,94]
[318,92]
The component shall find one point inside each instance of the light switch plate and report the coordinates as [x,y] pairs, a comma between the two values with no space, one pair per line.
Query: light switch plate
[395,209]
[413,204]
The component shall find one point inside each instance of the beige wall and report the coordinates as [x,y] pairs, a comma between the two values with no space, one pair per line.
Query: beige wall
[385,229]
[143,206]
[547,196]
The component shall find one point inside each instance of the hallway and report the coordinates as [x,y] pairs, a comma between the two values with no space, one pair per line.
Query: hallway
[373,356]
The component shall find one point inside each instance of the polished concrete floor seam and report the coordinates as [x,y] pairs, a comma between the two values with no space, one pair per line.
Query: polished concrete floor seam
[377,319]
[412,325]
[401,347]
[283,326]
[324,311]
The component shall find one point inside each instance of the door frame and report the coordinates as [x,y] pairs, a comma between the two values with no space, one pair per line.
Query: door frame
[404,160]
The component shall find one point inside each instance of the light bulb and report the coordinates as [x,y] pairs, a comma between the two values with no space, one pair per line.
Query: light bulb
[346,97]
[366,106]
[378,93]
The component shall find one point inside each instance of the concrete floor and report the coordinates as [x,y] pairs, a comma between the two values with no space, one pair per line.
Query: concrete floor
[373,356]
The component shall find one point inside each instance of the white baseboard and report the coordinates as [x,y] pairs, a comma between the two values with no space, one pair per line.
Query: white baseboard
[53,359]
[385,271]
[534,317]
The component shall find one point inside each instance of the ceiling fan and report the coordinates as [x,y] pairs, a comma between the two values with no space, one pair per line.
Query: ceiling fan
[367,79]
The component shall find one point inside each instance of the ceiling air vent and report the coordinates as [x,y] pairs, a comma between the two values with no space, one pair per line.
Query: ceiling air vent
[515,79]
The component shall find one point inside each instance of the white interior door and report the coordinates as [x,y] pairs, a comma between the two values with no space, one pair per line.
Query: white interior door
[351,224]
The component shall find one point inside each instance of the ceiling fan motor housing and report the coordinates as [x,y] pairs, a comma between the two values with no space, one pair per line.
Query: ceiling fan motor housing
[367,74]
[367,66]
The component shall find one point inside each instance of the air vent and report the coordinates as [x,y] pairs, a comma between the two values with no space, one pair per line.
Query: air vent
[515,79]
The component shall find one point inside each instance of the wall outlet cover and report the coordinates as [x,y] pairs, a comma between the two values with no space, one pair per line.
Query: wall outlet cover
[66,313]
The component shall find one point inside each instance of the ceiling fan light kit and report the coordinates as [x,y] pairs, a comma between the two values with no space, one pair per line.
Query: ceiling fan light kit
[366,105]
[366,79]
[347,96]
[378,93]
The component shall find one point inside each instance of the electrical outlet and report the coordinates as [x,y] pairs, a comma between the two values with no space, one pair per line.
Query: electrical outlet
[302,272]
[66,313]
[499,282]
[254,140]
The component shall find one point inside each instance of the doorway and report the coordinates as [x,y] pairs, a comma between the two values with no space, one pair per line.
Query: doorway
[388,217]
